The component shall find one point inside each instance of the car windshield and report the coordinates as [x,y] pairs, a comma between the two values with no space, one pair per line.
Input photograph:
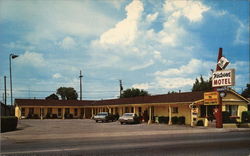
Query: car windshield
[128,114]
[102,114]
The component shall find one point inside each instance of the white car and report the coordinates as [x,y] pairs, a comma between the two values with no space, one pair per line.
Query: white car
[129,118]
[102,116]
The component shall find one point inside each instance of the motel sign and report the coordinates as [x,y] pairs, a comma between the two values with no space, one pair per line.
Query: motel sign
[223,78]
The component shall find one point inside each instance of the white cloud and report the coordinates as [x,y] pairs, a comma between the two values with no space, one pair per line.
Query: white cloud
[31,58]
[56,76]
[142,66]
[144,86]
[173,33]
[192,10]
[18,45]
[152,17]
[124,33]
[172,83]
[67,43]
[242,34]
[48,20]
[194,66]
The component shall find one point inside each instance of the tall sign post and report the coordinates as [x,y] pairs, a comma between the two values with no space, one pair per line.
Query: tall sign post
[220,79]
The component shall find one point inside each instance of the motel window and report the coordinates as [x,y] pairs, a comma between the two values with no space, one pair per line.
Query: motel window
[132,109]
[75,111]
[126,109]
[49,110]
[175,110]
[23,111]
[116,110]
[202,111]
[67,111]
[139,109]
[232,109]
[31,110]
[59,111]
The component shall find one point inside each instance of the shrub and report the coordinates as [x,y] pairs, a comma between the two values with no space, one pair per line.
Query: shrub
[35,116]
[245,117]
[54,116]
[163,119]
[29,116]
[226,117]
[8,123]
[199,123]
[181,120]
[48,116]
[174,120]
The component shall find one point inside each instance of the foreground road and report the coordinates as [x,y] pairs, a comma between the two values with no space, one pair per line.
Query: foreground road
[229,143]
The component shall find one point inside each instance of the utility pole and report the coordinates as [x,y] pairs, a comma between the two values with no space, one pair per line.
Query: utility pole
[121,88]
[5,93]
[80,84]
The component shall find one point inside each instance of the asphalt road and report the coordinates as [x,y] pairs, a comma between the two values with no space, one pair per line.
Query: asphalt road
[225,143]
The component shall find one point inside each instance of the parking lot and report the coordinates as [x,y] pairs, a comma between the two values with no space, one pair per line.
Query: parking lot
[75,128]
[35,129]
[85,136]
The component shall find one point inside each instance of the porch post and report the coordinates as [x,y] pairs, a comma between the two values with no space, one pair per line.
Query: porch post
[92,112]
[134,110]
[150,115]
[84,113]
[170,115]
[63,112]
[41,113]
[206,120]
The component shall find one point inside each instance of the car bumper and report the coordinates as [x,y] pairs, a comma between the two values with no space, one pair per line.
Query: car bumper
[126,120]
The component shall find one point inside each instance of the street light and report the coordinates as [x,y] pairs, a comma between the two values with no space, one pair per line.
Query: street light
[12,56]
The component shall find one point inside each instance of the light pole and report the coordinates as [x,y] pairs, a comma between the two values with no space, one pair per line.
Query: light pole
[12,56]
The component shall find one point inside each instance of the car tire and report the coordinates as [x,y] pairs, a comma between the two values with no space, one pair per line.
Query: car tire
[121,123]
[96,121]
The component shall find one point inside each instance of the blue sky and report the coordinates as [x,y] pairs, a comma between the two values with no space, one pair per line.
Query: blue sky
[158,46]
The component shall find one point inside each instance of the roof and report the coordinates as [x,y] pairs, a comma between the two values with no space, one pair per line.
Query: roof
[165,98]
[237,94]
[43,102]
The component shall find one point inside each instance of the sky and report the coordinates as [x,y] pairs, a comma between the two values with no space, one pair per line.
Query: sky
[158,46]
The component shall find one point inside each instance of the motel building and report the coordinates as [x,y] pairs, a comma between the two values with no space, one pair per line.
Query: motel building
[193,106]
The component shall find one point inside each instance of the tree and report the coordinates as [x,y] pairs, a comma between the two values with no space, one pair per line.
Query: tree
[246,92]
[133,93]
[52,97]
[67,93]
[202,85]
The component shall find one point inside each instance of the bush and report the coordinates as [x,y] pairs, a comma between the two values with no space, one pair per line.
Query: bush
[245,117]
[48,116]
[226,117]
[163,119]
[199,123]
[35,116]
[8,123]
[174,120]
[181,120]
[54,116]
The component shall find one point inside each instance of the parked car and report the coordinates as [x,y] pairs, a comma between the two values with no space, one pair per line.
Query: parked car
[102,116]
[129,118]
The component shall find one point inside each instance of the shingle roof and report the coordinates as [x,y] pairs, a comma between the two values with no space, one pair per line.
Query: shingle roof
[165,98]
[43,102]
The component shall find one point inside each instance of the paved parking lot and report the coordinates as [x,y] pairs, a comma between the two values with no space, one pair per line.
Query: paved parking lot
[86,137]
[81,128]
